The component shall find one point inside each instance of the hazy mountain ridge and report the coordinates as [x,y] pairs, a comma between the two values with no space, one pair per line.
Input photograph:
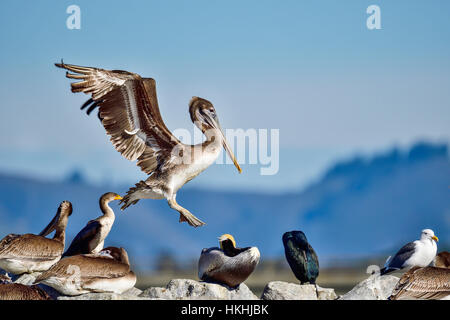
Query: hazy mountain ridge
[363,206]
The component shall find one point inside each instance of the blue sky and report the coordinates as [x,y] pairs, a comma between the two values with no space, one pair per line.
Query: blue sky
[309,68]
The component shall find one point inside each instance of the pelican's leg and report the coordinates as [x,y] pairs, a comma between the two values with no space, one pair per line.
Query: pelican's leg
[185,215]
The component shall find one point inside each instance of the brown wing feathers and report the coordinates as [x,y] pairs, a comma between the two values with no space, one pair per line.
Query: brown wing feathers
[129,112]
[423,283]
[90,266]
[92,105]
[30,246]
[117,121]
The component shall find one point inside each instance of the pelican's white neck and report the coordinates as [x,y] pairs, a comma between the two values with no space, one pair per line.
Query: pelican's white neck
[214,135]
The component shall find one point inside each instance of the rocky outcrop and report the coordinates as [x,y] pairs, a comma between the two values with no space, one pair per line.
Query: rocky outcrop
[177,289]
[105,296]
[133,292]
[373,288]
[326,294]
[280,290]
[187,289]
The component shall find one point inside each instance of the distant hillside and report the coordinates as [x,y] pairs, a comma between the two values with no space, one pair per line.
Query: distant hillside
[359,208]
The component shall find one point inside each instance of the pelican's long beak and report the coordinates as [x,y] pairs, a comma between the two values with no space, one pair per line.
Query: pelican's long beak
[215,123]
[230,153]
[118,197]
[51,226]
[435,238]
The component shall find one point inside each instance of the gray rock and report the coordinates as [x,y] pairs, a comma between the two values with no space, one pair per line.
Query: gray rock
[132,292]
[157,293]
[375,287]
[102,296]
[280,290]
[187,289]
[326,294]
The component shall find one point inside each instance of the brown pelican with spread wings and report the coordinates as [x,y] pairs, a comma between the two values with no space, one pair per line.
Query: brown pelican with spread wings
[129,112]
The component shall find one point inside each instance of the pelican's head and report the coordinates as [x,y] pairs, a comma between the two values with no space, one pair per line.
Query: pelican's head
[60,219]
[205,118]
[428,234]
[226,239]
[118,254]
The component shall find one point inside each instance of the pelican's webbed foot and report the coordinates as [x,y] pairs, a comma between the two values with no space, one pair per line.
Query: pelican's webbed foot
[185,215]
[191,219]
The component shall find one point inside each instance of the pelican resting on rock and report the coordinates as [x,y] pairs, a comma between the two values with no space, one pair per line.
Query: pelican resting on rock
[17,291]
[92,237]
[420,253]
[228,264]
[301,257]
[429,283]
[129,112]
[29,253]
[442,260]
[106,271]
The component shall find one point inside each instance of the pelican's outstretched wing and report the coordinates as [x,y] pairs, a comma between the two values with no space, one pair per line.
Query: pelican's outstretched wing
[423,283]
[129,112]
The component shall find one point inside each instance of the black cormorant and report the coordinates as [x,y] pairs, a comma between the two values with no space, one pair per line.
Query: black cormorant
[301,257]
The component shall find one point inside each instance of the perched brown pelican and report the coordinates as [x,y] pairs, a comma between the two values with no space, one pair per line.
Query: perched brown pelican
[106,271]
[18,291]
[442,260]
[128,109]
[228,264]
[430,283]
[92,237]
[29,253]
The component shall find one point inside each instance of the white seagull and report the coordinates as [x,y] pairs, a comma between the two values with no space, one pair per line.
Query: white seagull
[419,253]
